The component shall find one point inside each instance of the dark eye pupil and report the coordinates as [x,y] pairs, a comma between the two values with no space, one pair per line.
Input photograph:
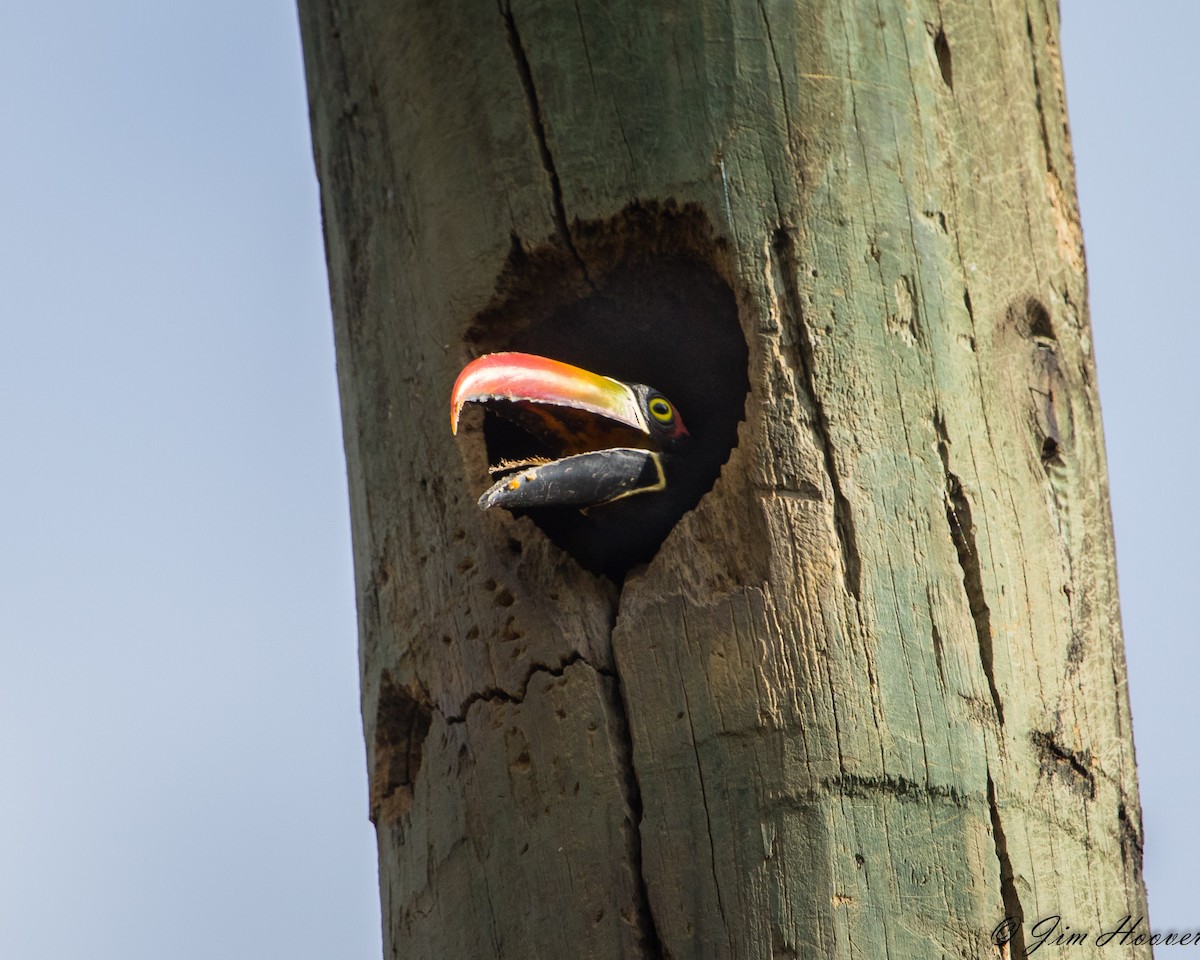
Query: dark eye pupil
[660,408]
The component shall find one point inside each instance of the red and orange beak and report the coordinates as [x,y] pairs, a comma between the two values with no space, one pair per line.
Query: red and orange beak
[586,438]
[528,379]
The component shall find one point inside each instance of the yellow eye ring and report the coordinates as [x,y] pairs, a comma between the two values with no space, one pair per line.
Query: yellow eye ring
[661,410]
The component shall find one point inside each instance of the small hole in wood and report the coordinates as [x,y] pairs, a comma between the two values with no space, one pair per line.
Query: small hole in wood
[1049,450]
[941,48]
[1039,319]
[402,720]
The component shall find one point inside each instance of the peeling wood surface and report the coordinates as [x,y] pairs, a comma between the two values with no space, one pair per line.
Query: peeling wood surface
[870,697]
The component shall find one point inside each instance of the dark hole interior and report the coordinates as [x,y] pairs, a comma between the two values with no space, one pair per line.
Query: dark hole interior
[669,322]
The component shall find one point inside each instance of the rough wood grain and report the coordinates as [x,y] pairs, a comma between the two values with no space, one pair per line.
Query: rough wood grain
[869,699]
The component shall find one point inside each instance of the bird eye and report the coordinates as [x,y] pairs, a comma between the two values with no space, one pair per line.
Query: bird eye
[661,410]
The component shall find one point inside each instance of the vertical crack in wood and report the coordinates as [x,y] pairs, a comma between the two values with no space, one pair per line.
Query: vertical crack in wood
[936,636]
[525,72]
[651,943]
[687,705]
[1131,836]
[1039,97]
[787,113]
[1013,912]
[962,534]
[843,518]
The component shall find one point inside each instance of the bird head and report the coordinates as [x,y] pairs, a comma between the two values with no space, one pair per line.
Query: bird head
[568,437]
[585,428]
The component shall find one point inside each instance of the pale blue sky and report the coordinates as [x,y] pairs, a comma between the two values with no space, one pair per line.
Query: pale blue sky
[182,761]
[183,765]
[1133,95]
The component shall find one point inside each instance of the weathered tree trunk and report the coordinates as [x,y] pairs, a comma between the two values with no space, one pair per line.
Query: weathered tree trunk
[869,699]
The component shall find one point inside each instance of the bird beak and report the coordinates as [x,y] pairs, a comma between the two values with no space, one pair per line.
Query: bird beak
[528,379]
[583,480]
[585,440]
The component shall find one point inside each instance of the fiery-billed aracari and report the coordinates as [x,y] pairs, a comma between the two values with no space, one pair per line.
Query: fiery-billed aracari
[605,467]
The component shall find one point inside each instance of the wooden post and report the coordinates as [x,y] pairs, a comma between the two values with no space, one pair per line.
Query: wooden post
[869,698]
